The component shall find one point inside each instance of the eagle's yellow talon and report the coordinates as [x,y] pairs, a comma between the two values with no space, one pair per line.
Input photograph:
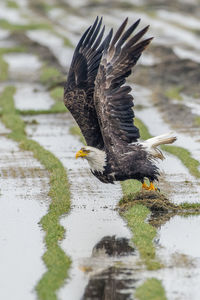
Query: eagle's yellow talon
[149,188]
[145,186]
[152,187]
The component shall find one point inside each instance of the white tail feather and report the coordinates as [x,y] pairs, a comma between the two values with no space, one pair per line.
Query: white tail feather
[152,143]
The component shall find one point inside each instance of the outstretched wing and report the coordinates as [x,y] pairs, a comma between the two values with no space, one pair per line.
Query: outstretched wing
[112,98]
[79,88]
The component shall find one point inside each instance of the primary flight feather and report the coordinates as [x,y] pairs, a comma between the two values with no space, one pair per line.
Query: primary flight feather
[98,98]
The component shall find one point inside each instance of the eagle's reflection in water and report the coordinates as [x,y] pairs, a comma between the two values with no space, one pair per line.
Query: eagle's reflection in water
[115,282]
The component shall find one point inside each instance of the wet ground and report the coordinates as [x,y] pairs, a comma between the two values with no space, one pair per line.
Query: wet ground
[167,97]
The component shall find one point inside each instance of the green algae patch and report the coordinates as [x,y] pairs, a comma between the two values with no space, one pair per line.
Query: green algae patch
[75,130]
[186,158]
[151,289]
[50,76]
[130,187]
[17,49]
[19,27]
[143,234]
[55,259]
[174,93]
[57,95]
[3,69]
[12,4]
[55,109]
[197,121]
[190,206]
[183,154]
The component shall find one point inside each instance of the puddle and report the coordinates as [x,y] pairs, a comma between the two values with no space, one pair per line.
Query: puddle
[187,53]
[23,202]
[93,202]
[164,32]
[148,60]
[23,66]
[77,3]
[4,33]
[180,19]
[192,103]
[12,15]
[179,248]
[32,97]
[54,43]
[182,235]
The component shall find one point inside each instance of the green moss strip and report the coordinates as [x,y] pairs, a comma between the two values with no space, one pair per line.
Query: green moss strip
[18,49]
[151,289]
[3,69]
[55,259]
[143,234]
[181,153]
[19,27]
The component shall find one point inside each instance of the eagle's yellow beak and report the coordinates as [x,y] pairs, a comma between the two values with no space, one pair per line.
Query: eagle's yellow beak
[81,153]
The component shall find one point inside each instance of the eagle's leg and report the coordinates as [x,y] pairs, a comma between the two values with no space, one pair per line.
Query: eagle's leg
[145,186]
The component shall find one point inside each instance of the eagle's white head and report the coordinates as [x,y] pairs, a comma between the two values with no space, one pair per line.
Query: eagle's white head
[95,157]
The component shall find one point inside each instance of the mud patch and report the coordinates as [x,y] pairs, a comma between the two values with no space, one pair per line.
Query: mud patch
[154,200]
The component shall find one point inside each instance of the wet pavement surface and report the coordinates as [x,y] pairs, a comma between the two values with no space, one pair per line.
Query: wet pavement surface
[104,262]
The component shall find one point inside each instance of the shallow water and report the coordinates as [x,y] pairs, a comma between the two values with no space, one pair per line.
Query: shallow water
[179,249]
[181,234]
[54,43]
[23,66]
[12,15]
[23,201]
[32,97]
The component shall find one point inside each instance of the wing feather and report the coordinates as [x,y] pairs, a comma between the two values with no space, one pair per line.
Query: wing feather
[112,99]
[79,88]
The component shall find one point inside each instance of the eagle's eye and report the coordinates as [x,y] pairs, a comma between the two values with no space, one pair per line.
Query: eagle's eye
[86,151]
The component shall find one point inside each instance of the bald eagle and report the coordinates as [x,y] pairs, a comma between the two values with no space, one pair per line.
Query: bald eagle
[98,98]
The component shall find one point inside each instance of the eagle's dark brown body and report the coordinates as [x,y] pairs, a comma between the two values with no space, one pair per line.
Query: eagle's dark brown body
[101,104]
[136,164]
